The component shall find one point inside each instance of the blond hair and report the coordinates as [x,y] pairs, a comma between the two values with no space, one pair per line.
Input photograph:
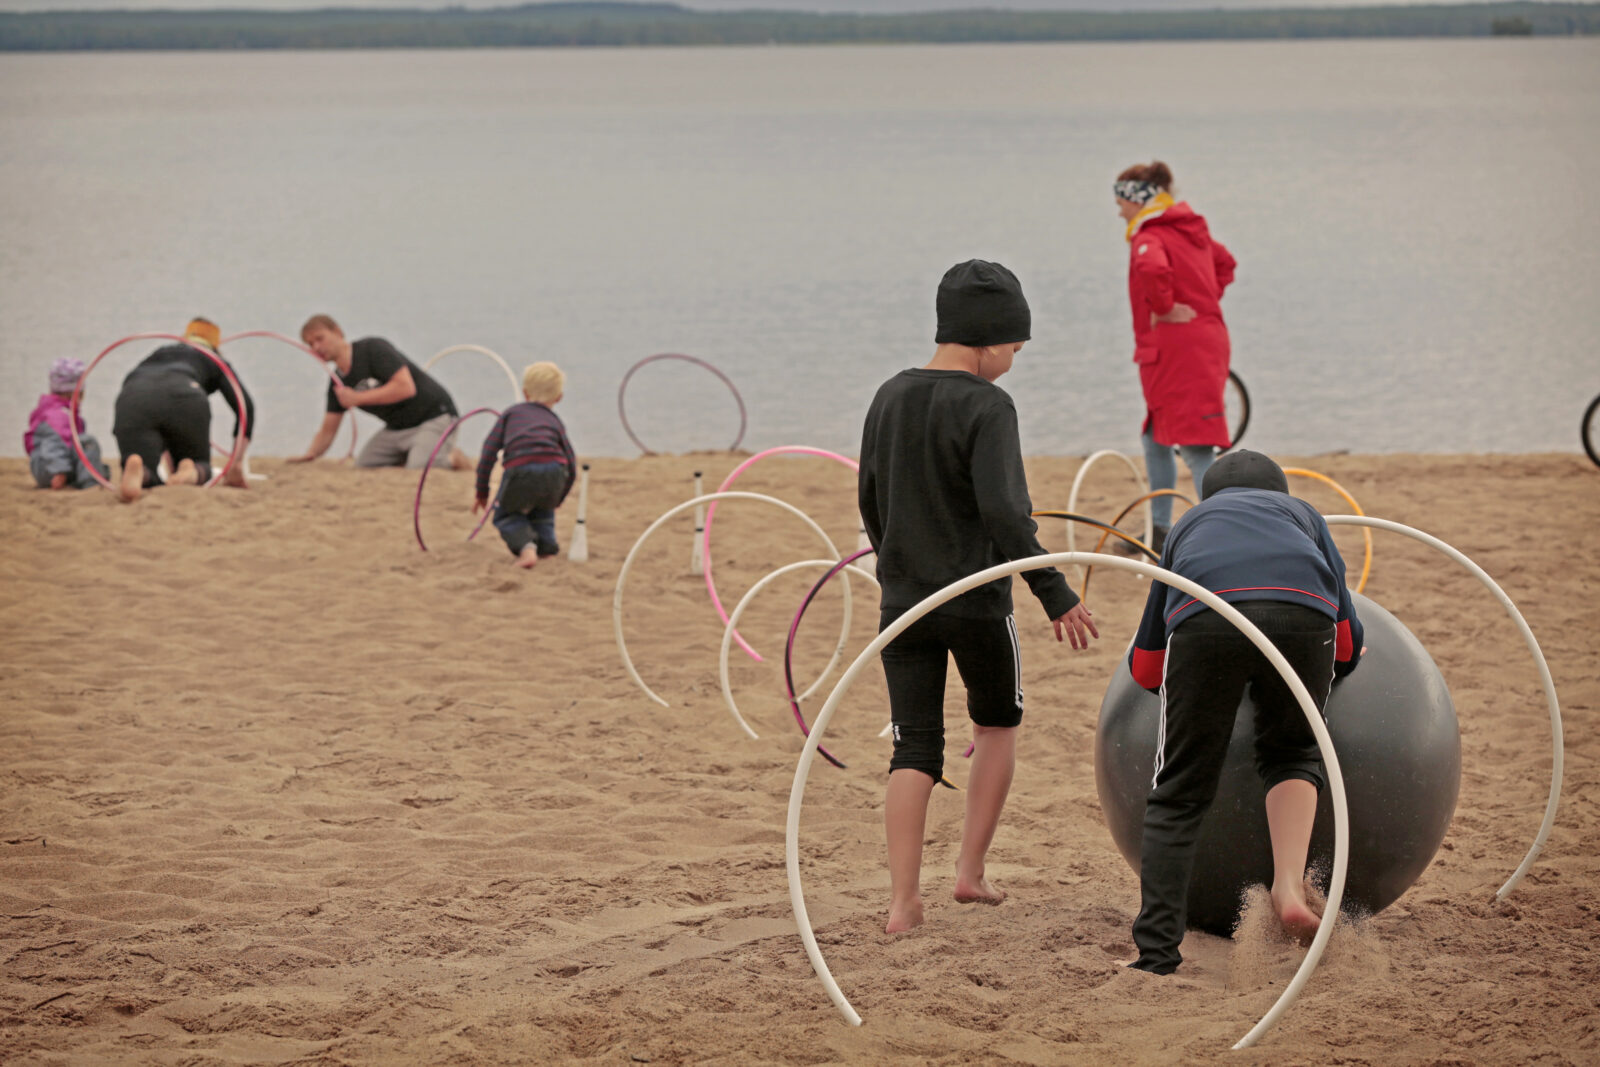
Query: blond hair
[543,382]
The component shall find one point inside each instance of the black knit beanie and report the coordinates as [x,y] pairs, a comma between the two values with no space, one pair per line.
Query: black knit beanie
[1243,469]
[981,303]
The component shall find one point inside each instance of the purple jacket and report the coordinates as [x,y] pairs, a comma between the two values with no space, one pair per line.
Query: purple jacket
[54,411]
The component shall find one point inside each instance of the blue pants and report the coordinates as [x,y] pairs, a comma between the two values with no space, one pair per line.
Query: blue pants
[1162,468]
[526,512]
[52,456]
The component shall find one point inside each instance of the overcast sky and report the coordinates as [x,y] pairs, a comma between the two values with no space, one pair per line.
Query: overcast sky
[861,6]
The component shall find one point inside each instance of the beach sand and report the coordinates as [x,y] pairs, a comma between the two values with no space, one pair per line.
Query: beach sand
[278,787]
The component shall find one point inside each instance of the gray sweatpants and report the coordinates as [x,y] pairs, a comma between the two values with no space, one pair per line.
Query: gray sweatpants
[52,456]
[410,447]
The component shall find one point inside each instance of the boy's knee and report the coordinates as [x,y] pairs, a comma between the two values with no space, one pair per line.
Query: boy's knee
[918,749]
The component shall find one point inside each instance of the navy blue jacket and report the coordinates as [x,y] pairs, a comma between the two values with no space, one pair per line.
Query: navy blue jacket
[528,433]
[1247,544]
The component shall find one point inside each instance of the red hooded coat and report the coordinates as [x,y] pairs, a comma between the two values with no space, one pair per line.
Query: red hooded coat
[1182,366]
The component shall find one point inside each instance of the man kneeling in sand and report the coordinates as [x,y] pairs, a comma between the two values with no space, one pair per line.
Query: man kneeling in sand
[373,375]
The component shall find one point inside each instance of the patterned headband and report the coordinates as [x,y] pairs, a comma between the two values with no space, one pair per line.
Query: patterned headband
[1136,191]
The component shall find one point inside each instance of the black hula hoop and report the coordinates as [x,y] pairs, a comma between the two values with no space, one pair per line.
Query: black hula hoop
[1588,430]
[623,388]
[1236,433]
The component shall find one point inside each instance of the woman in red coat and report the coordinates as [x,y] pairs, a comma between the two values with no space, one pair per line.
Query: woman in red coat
[1176,275]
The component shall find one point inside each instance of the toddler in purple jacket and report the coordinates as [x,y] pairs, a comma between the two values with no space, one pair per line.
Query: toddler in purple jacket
[531,443]
[48,441]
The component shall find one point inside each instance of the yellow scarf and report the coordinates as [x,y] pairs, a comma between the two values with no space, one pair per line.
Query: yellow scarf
[1155,207]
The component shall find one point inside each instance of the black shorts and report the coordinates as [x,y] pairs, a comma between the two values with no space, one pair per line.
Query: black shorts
[916,663]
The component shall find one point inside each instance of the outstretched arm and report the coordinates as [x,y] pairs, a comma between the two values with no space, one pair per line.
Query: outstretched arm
[319,444]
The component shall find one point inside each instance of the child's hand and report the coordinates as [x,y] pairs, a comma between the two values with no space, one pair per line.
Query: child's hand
[1075,623]
[479,504]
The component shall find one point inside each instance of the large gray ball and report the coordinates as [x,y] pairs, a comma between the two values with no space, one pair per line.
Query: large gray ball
[1394,729]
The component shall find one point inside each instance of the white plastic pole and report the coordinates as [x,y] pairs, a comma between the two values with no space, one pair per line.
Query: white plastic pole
[622,575]
[578,547]
[1077,481]
[697,555]
[733,620]
[1557,743]
[1341,814]
[516,386]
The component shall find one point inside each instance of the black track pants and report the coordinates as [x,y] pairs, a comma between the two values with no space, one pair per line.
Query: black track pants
[163,410]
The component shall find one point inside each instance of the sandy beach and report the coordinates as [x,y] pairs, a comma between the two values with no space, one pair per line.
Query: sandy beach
[277,787]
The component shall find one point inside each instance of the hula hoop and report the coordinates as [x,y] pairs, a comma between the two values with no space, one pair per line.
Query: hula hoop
[292,343]
[1151,554]
[227,372]
[622,389]
[516,386]
[1366,535]
[1083,593]
[1341,814]
[738,612]
[711,512]
[1244,404]
[622,575]
[1077,482]
[416,509]
[1587,430]
[1557,744]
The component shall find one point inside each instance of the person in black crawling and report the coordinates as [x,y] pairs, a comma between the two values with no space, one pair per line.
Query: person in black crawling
[1271,557]
[164,407]
[373,375]
[943,496]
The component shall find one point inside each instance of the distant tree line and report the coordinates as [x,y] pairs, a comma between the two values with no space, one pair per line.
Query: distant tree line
[639,25]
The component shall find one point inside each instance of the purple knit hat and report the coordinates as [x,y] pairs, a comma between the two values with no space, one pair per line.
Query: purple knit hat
[64,374]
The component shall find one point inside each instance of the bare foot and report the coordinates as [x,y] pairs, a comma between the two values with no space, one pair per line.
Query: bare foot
[903,917]
[235,477]
[1299,921]
[186,474]
[459,460]
[58,481]
[977,891]
[528,558]
[132,480]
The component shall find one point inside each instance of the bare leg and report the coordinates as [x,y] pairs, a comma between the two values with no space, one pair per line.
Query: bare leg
[529,557]
[132,480]
[1291,810]
[994,758]
[185,474]
[905,818]
[460,461]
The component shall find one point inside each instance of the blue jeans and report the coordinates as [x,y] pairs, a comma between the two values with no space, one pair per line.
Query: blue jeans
[1162,468]
[526,512]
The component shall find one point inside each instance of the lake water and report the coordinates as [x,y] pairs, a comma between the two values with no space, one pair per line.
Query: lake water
[1416,225]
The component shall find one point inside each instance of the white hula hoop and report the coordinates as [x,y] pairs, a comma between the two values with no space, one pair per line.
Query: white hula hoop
[622,575]
[516,386]
[746,600]
[1341,813]
[1557,744]
[1077,482]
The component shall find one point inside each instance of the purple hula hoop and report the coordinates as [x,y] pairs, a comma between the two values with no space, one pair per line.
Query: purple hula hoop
[416,509]
[623,388]
[227,372]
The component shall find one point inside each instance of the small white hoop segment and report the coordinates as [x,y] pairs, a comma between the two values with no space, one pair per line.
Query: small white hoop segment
[733,620]
[1077,482]
[516,386]
[1557,744]
[622,575]
[1341,813]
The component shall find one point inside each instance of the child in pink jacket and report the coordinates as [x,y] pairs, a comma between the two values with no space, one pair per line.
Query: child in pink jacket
[51,457]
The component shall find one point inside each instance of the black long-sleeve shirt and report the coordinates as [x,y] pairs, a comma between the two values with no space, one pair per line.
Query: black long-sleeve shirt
[943,494]
[184,359]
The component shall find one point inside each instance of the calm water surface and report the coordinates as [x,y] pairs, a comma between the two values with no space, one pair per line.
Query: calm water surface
[1415,221]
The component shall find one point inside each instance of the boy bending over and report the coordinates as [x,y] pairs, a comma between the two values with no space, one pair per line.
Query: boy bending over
[539,467]
[1271,556]
[943,495]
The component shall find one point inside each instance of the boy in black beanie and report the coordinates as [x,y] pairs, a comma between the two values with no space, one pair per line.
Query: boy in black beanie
[943,495]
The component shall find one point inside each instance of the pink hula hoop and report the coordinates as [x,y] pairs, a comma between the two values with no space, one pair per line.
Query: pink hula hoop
[227,372]
[711,511]
[623,412]
[291,342]
[416,510]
